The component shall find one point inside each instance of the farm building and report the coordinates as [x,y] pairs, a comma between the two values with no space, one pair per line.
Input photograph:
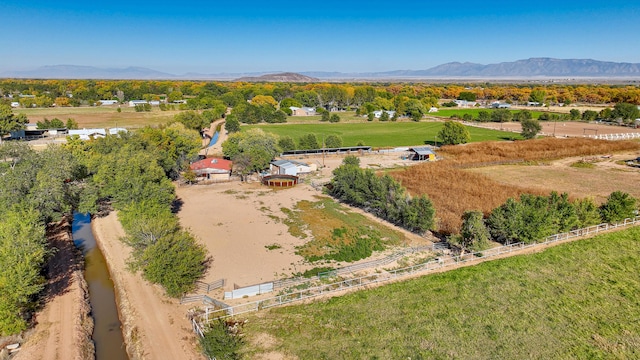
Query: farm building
[499,105]
[303,111]
[421,153]
[133,103]
[107,102]
[290,167]
[378,114]
[217,169]
[86,134]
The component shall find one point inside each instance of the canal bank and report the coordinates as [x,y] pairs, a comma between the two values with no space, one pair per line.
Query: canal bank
[107,332]
[63,326]
[154,326]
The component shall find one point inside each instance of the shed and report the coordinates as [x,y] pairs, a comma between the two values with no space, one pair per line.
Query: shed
[283,167]
[422,153]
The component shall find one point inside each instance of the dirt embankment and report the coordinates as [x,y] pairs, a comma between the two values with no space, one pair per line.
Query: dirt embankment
[154,326]
[64,326]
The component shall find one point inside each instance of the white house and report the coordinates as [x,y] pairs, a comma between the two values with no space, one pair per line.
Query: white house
[378,113]
[283,167]
[499,105]
[154,103]
[15,104]
[303,111]
[465,103]
[86,134]
[107,102]
[433,109]
[117,130]
[133,103]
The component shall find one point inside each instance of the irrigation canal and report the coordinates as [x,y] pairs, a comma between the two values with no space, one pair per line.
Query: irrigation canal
[107,332]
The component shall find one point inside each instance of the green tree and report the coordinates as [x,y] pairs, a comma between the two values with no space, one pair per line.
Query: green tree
[625,112]
[574,114]
[10,121]
[22,254]
[530,128]
[415,109]
[619,206]
[219,343]
[192,120]
[453,133]
[286,143]
[72,124]
[474,235]
[501,115]
[175,261]
[308,142]
[232,124]
[589,115]
[384,116]
[538,96]
[333,141]
[522,115]
[484,116]
[467,95]
[334,118]
[587,212]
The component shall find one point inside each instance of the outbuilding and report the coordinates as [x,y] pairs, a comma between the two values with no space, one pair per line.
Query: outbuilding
[421,153]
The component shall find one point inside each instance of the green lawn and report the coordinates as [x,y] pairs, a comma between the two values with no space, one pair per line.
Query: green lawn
[574,301]
[379,134]
[448,112]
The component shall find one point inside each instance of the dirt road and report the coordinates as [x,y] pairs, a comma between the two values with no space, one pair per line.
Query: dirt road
[64,326]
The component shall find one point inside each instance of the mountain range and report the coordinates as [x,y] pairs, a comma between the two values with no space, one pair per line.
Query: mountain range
[520,69]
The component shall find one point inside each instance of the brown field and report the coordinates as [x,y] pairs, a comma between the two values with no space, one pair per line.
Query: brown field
[100,116]
[535,150]
[454,190]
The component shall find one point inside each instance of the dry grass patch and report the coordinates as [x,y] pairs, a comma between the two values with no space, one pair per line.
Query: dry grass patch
[454,191]
[532,150]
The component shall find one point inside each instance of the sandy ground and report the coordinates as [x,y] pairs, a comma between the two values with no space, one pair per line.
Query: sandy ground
[154,326]
[564,128]
[237,221]
[64,326]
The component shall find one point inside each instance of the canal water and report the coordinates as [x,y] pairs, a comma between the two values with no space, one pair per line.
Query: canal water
[107,332]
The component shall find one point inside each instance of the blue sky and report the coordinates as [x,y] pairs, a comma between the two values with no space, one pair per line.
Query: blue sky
[346,36]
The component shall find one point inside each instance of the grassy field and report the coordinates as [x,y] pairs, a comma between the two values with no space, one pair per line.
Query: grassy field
[573,301]
[448,112]
[380,134]
[100,116]
[338,234]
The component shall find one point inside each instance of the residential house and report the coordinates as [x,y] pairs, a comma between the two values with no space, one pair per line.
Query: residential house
[303,111]
[379,113]
[216,169]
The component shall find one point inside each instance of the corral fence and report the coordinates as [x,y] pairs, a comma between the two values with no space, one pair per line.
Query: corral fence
[202,286]
[216,312]
[622,136]
[289,282]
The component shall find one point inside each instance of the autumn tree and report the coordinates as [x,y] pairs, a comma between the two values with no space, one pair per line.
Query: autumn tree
[10,121]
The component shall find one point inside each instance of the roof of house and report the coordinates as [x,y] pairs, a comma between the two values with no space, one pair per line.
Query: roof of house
[212,163]
[286,164]
[422,150]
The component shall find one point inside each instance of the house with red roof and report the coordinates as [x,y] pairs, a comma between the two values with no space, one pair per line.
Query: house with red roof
[216,169]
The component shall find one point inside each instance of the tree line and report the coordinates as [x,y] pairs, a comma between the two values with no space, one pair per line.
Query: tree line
[532,218]
[381,196]
[130,173]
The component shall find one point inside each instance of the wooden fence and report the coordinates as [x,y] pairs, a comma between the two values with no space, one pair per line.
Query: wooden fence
[312,291]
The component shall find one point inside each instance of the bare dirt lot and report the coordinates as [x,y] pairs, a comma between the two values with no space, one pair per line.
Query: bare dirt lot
[238,221]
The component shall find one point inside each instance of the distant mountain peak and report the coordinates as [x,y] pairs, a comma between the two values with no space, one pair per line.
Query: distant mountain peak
[280,77]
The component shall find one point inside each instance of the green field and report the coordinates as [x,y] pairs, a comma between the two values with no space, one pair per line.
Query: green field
[448,112]
[573,301]
[380,134]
